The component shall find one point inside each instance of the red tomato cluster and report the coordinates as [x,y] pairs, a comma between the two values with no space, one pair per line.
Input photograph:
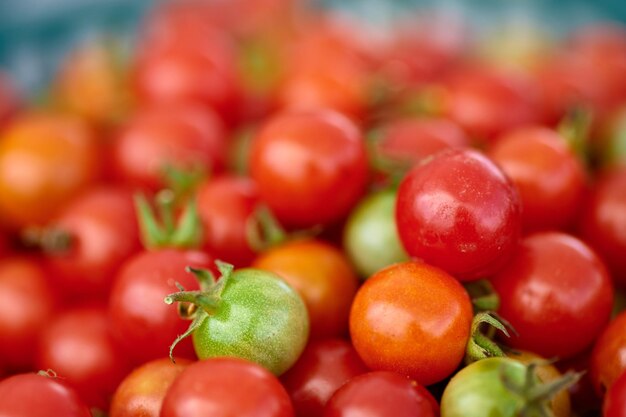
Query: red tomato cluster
[268,211]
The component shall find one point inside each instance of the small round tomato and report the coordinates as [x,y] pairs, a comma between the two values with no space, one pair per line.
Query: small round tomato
[324,366]
[28,395]
[459,212]
[226,387]
[608,357]
[140,321]
[556,293]
[310,167]
[322,276]
[615,401]
[44,160]
[412,318]
[370,236]
[27,302]
[141,393]
[549,176]
[77,344]
[381,394]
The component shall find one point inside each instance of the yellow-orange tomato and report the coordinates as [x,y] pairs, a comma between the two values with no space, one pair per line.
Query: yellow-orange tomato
[546,372]
[45,159]
[323,277]
[412,318]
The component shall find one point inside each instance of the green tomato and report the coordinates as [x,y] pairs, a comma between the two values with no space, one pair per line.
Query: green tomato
[370,236]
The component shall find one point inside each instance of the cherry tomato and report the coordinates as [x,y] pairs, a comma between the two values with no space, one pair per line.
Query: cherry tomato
[370,237]
[78,346]
[141,393]
[608,357]
[556,293]
[615,401]
[181,136]
[215,386]
[459,212]
[549,176]
[225,205]
[381,394]
[324,366]
[141,322]
[310,167]
[102,230]
[28,395]
[44,158]
[411,318]
[27,302]
[322,275]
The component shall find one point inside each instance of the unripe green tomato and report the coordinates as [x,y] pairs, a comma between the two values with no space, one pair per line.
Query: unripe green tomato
[370,236]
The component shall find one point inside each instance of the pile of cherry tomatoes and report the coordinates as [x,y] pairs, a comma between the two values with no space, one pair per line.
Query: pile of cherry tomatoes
[266,209]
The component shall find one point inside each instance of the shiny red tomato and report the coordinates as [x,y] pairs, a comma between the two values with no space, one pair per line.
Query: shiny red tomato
[28,395]
[615,401]
[412,318]
[608,357]
[459,212]
[310,168]
[226,387]
[556,293]
[324,366]
[78,346]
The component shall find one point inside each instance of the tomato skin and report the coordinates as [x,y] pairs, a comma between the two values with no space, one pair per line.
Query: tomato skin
[142,391]
[9,99]
[78,346]
[214,387]
[44,157]
[23,282]
[322,276]
[608,357]
[181,135]
[411,318]
[225,205]
[310,167]
[324,366]
[556,293]
[259,318]
[458,211]
[381,393]
[29,394]
[615,401]
[549,176]
[102,225]
[141,322]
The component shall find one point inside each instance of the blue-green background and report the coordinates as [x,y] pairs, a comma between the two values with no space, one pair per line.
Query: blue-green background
[35,34]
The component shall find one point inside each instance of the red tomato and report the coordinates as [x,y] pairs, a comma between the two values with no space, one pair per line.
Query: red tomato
[411,318]
[324,366]
[615,401]
[459,212]
[608,358]
[381,394]
[310,168]
[44,160]
[28,395]
[556,293]
[225,205]
[78,346]
[141,393]
[9,100]
[226,387]
[103,232]
[141,322]
[27,302]
[324,278]
[547,173]
[182,136]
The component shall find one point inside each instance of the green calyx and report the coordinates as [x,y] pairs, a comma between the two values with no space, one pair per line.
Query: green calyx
[198,305]
[535,395]
[483,296]
[480,345]
[163,229]
[263,230]
[183,182]
[575,128]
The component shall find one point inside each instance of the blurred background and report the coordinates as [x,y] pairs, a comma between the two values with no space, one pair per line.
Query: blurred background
[35,35]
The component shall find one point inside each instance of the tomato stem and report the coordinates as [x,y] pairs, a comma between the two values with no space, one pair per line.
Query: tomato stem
[263,230]
[480,346]
[484,297]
